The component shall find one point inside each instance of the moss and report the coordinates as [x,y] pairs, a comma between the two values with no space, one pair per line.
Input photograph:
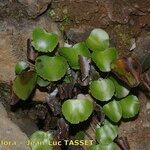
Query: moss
[65,23]
[61,16]
[51,13]
[57,14]
[124,34]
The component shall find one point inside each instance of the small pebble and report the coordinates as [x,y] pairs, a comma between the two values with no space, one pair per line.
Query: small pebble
[148,106]
[133,44]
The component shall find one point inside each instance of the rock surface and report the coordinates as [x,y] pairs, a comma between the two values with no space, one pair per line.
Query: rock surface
[35,7]
[142,51]
[98,13]
[28,8]
[12,138]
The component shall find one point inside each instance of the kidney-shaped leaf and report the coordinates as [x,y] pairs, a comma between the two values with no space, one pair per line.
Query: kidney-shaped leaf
[41,140]
[111,146]
[130,106]
[107,133]
[120,91]
[98,40]
[102,89]
[21,66]
[103,59]
[72,54]
[77,110]
[44,41]
[24,84]
[51,68]
[113,110]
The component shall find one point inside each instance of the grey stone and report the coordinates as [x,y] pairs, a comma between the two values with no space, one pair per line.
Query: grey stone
[11,137]
[119,11]
[78,34]
[133,44]
[35,7]
[142,51]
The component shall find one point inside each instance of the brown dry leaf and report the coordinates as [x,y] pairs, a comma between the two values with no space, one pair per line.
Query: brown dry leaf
[31,53]
[85,70]
[123,143]
[128,69]
[63,129]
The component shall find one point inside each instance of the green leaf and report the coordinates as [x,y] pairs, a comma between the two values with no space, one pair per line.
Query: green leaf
[103,59]
[41,140]
[107,133]
[120,91]
[102,89]
[130,106]
[51,68]
[98,40]
[113,110]
[44,41]
[41,82]
[114,127]
[24,84]
[20,67]
[94,147]
[72,54]
[77,110]
[111,146]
